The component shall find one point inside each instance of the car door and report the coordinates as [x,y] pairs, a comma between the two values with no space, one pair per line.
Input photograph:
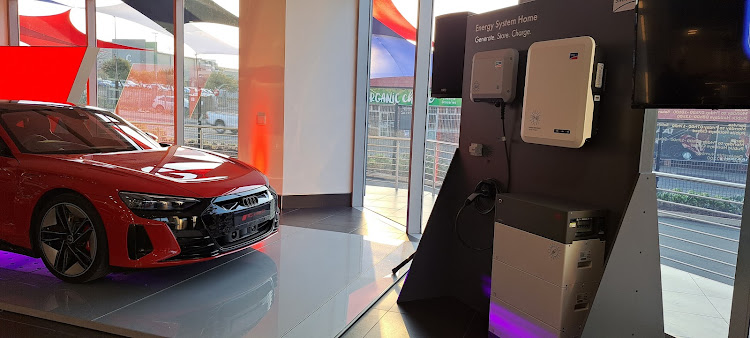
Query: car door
[8,187]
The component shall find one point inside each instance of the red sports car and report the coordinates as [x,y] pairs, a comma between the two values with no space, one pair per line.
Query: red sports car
[85,190]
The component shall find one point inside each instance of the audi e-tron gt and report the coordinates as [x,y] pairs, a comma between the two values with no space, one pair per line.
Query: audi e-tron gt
[84,190]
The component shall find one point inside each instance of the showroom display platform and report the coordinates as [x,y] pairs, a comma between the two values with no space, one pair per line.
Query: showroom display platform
[302,282]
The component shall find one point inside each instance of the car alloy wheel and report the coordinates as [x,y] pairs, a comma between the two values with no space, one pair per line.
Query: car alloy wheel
[71,241]
[68,239]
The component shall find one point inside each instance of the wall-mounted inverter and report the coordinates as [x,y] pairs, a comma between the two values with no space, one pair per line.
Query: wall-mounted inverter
[564,81]
[493,76]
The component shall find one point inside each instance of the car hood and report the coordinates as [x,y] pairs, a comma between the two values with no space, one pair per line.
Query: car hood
[204,173]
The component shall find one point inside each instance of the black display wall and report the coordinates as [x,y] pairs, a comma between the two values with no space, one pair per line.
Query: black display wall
[602,173]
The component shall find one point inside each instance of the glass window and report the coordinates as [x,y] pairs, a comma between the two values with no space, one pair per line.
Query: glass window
[212,75]
[444,114]
[392,55]
[135,65]
[705,155]
[47,23]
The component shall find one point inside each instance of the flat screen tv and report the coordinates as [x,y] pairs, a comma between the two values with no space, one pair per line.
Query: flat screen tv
[692,54]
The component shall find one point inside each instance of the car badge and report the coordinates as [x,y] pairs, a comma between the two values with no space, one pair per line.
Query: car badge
[249,201]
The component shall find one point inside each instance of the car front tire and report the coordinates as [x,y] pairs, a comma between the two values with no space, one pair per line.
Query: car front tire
[71,239]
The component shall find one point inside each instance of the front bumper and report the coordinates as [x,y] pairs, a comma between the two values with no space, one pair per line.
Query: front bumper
[214,228]
[201,244]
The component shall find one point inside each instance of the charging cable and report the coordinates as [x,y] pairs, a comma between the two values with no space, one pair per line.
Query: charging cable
[486,190]
[501,104]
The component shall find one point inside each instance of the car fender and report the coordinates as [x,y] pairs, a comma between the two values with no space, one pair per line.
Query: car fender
[35,183]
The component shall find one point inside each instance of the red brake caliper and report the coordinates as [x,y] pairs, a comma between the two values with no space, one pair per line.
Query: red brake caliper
[88,245]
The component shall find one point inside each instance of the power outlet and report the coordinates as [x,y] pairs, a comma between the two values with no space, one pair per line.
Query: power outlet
[476,149]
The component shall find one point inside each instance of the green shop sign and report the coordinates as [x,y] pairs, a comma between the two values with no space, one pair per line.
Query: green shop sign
[402,96]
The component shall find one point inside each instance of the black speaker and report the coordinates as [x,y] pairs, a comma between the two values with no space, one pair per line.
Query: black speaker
[448,56]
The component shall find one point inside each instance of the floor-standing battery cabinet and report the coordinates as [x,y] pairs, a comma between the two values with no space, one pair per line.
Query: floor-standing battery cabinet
[548,260]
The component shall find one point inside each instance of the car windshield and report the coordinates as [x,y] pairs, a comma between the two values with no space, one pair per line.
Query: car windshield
[72,131]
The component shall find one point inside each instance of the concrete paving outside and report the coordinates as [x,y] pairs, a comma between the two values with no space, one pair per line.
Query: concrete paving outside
[695,306]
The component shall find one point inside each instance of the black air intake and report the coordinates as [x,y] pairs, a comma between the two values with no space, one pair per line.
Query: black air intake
[139,244]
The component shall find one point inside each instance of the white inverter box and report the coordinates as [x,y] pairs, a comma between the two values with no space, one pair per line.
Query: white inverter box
[493,76]
[564,81]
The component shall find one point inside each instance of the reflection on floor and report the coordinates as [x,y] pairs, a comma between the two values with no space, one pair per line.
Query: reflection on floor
[392,202]
[695,306]
[346,220]
[302,282]
[443,317]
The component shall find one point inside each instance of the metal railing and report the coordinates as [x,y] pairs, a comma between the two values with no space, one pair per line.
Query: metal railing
[150,99]
[388,161]
[698,231]
[220,139]
[204,136]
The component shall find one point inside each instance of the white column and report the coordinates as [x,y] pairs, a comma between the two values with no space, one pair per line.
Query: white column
[179,72]
[648,142]
[419,117]
[361,102]
[91,38]
[13,25]
[739,321]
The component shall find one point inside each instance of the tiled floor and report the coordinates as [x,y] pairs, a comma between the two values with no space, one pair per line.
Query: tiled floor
[303,282]
[695,306]
[392,203]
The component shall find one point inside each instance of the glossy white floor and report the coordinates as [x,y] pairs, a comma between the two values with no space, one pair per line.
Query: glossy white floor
[303,282]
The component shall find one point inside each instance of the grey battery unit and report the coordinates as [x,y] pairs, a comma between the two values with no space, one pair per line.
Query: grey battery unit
[547,263]
[558,221]
[540,287]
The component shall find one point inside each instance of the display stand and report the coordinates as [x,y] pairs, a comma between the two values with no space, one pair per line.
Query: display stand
[603,173]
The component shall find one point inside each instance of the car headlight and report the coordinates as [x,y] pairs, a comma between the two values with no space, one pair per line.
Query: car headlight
[137,201]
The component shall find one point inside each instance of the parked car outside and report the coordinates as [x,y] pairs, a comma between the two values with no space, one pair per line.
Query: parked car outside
[105,83]
[164,103]
[222,119]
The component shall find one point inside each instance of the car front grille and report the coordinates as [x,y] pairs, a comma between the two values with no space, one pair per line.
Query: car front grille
[217,231]
[239,203]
